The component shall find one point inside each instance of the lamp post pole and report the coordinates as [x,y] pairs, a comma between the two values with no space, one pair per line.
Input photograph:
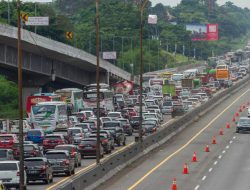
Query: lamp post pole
[97,84]
[142,6]
[20,97]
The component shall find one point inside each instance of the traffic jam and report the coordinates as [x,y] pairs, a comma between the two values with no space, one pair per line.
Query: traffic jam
[61,127]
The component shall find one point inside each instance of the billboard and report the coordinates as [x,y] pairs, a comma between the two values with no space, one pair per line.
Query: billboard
[205,32]
[109,55]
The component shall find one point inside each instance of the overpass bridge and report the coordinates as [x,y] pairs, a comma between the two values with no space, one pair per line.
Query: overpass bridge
[72,66]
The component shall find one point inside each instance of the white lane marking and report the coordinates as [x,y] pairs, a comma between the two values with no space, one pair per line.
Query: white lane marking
[197,187]
[204,177]
[227,147]
[210,169]
[234,137]
[215,162]
[220,157]
[223,152]
[231,142]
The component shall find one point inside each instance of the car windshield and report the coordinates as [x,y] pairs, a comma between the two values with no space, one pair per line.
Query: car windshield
[35,132]
[88,142]
[244,122]
[113,115]
[113,124]
[83,126]
[3,153]
[28,148]
[55,155]
[74,131]
[63,148]
[106,119]
[34,163]
[135,119]
[8,166]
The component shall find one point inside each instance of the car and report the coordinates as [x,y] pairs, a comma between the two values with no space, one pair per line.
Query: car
[67,136]
[52,140]
[88,114]
[38,168]
[115,115]
[150,115]
[77,134]
[103,119]
[126,126]
[87,147]
[10,174]
[134,122]
[103,112]
[125,113]
[117,133]
[61,161]
[105,142]
[131,111]
[92,124]
[35,135]
[110,137]
[73,120]
[167,107]
[32,150]
[243,125]
[149,126]
[6,154]
[228,83]
[7,140]
[74,153]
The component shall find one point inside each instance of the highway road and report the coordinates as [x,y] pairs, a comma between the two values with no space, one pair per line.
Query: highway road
[225,167]
[86,163]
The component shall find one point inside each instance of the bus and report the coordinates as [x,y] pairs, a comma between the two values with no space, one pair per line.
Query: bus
[49,116]
[73,98]
[40,97]
[106,99]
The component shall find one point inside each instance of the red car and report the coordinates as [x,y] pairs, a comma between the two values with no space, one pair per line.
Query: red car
[7,140]
[132,112]
[52,140]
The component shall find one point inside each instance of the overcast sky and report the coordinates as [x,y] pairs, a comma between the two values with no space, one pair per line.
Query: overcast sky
[239,3]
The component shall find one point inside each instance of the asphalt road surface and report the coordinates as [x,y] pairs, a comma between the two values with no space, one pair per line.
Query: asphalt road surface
[225,167]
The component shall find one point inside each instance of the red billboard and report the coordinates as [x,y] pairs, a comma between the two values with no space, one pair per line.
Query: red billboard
[208,32]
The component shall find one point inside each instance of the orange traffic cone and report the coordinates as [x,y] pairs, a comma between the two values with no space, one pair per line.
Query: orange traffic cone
[221,132]
[233,120]
[207,149]
[214,140]
[228,125]
[237,114]
[174,185]
[194,159]
[185,169]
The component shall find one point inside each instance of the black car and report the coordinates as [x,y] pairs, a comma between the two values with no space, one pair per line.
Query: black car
[38,168]
[32,150]
[61,161]
[243,125]
[117,133]
[149,126]
[134,122]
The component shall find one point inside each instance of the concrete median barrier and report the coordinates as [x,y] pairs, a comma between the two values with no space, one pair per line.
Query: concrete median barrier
[110,166]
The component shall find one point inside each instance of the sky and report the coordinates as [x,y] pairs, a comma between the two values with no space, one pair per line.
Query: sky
[239,3]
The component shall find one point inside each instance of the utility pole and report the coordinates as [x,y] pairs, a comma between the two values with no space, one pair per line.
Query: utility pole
[8,11]
[97,84]
[20,97]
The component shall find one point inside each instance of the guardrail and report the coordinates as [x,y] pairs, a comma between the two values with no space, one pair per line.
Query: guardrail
[107,168]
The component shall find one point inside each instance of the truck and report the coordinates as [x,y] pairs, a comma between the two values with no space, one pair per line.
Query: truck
[222,72]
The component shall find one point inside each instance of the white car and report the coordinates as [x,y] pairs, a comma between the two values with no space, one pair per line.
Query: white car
[10,174]
[248,112]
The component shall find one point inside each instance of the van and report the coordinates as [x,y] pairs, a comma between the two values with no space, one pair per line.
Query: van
[10,174]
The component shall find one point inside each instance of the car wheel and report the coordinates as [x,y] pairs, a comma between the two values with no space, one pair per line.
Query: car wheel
[124,143]
[73,171]
[46,181]
[51,178]
[119,143]
[237,131]
[68,173]
[25,187]
[80,164]
[76,164]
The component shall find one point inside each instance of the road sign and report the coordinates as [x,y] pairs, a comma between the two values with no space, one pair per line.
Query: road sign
[24,17]
[109,55]
[152,19]
[69,35]
[37,21]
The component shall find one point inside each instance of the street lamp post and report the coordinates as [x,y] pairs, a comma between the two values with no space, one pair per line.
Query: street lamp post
[97,84]
[20,97]
[142,6]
